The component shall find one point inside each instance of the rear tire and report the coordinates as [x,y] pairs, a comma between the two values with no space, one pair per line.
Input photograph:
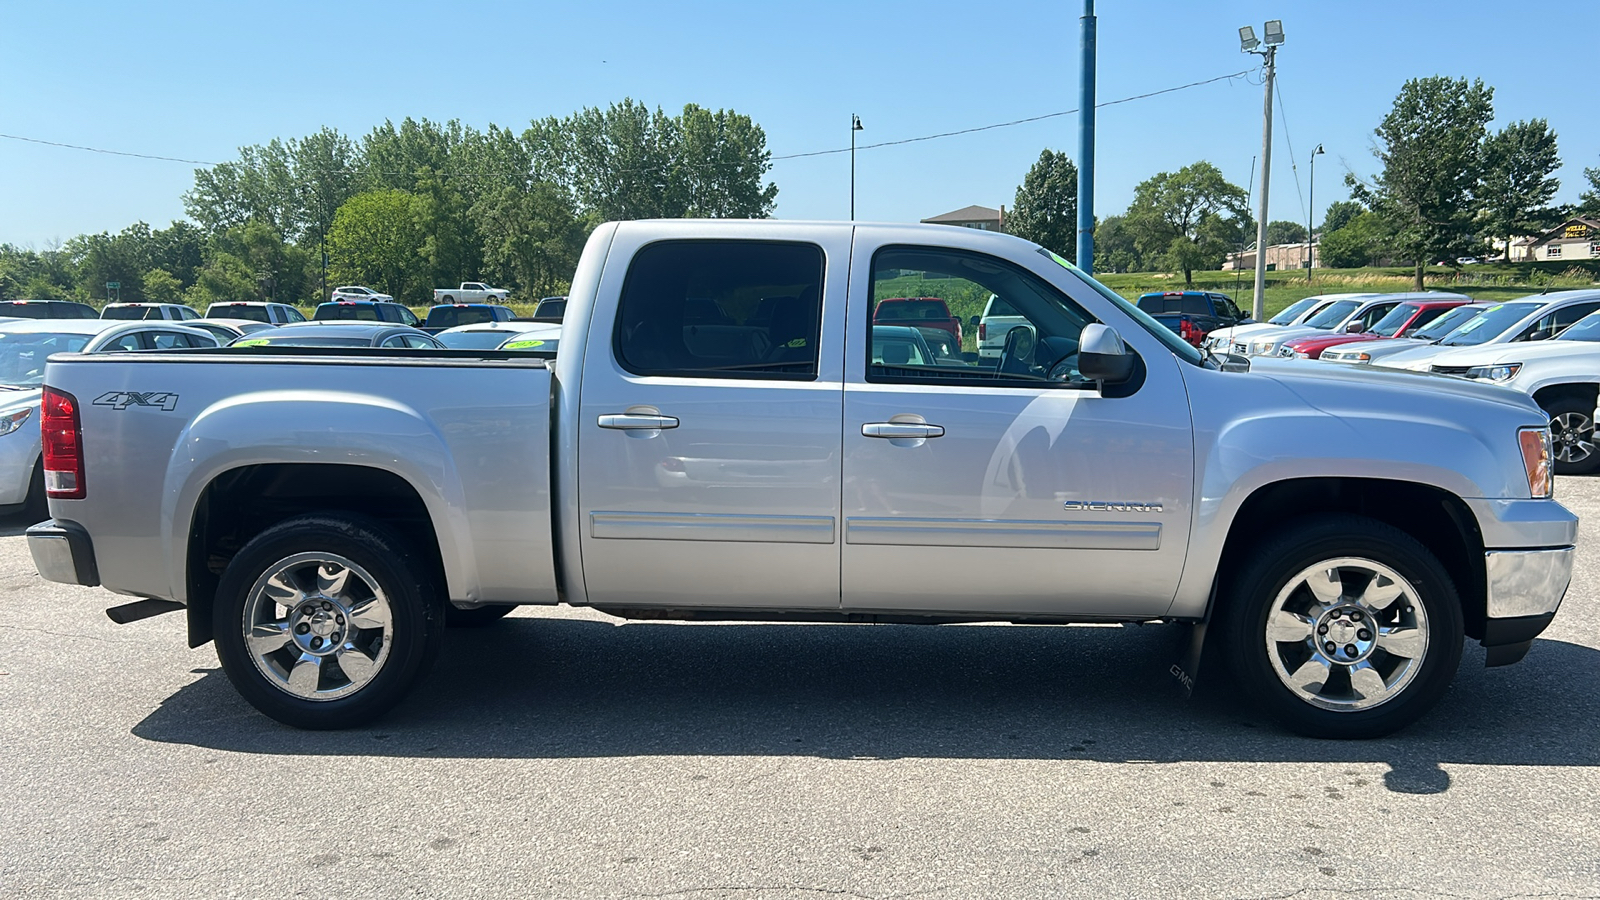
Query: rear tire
[448,299]
[1343,627]
[1574,441]
[327,620]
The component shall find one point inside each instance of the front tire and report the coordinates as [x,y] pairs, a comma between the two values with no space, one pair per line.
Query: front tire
[1573,439]
[326,621]
[1343,627]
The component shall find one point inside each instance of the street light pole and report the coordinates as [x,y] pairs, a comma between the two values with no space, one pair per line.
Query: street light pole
[1086,141]
[855,126]
[1311,217]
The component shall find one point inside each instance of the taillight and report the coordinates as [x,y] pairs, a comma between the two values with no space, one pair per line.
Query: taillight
[983,331]
[62,431]
[1185,329]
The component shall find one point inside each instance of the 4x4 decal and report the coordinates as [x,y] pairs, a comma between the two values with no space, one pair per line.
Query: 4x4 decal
[153,399]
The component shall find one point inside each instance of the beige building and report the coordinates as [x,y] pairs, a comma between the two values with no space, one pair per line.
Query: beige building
[1279,257]
[1577,238]
[980,217]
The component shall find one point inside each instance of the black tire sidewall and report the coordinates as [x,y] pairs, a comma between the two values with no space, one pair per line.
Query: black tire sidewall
[404,577]
[1305,543]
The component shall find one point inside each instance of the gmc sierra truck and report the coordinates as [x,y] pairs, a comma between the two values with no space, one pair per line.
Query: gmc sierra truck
[323,514]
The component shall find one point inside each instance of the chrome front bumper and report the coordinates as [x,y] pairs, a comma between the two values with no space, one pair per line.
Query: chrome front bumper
[1524,590]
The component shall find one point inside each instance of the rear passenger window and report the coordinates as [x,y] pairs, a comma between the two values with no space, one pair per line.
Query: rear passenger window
[722,309]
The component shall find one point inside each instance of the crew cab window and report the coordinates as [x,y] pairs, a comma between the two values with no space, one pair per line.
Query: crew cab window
[167,340]
[1034,343]
[126,342]
[722,309]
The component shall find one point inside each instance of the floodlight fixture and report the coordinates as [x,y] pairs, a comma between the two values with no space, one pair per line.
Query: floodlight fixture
[1247,39]
[1274,32]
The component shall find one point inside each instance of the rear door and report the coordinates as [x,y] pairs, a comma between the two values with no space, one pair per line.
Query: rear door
[1009,486]
[709,451]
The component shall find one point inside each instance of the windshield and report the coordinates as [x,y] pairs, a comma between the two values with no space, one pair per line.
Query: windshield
[474,340]
[237,311]
[1585,329]
[131,312]
[364,312]
[1390,325]
[1182,348]
[1494,321]
[1335,313]
[22,356]
[1446,323]
[451,316]
[1288,316]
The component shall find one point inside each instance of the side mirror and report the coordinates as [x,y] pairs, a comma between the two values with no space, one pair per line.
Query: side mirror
[1542,334]
[1101,355]
[1354,328]
[973,322]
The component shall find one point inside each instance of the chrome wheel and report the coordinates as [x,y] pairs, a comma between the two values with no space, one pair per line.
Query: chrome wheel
[1347,634]
[317,626]
[1572,437]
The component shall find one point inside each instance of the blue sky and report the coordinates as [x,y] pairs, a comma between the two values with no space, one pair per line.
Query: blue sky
[197,80]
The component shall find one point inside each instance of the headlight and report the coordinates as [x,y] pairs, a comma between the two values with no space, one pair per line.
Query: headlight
[1503,372]
[1260,348]
[1299,355]
[11,421]
[1535,443]
[1357,357]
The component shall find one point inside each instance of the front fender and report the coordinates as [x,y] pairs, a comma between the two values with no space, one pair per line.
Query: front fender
[316,426]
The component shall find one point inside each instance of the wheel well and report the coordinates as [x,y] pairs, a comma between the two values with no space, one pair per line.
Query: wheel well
[241,503]
[1589,393]
[1436,518]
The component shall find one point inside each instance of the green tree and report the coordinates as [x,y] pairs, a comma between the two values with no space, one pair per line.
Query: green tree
[1358,243]
[532,237]
[1045,209]
[1115,250]
[1589,201]
[160,286]
[1339,213]
[1519,164]
[1285,232]
[374,241]
[1190,218]
[719,165]
[103,258]
[1431,148]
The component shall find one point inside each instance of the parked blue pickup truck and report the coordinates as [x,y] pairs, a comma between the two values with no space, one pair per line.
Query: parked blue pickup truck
[1192,314]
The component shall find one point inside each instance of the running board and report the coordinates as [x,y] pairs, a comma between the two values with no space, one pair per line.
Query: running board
[141,609]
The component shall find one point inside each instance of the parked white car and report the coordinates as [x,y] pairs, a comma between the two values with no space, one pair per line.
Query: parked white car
[256,310]
[471,292]
[358,292]
[1363,353]
[25,344]
[1233,340]
[1537,317]
[495,335]
[171,312]
[1562,376]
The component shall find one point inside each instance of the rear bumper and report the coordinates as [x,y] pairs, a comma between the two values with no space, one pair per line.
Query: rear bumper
[63,553]
[1524,590]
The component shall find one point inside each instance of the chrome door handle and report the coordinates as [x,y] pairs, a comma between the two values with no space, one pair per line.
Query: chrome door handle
[631,422]
[894,430]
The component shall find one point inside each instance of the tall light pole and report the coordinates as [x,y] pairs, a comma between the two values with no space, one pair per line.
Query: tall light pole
[855,126]
[1248,43]
[1086,141]
[1311,216]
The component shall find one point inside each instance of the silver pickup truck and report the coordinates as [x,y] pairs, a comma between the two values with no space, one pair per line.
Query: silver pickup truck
[725,435]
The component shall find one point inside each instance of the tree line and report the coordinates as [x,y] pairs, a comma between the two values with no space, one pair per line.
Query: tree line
[414,206]
[1447,188]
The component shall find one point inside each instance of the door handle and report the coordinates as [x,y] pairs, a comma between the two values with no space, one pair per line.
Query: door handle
[634,422]
[901,430]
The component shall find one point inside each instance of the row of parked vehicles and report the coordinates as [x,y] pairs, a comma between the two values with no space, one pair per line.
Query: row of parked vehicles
[1544,345]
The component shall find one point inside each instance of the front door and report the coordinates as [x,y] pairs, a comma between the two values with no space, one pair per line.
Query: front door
[1005,484]
[709,451]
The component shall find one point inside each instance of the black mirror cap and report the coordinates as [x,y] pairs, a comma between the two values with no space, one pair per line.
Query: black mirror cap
[1106,368]
[974,321]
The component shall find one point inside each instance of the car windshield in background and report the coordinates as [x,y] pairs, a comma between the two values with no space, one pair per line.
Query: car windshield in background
[1391,324]
[22,356]
[451,316]
[261,340]
[1182,348]
[475,340]
[131,312]
[998,308]
[912,309]
[1446,323]
[360,312]
[1288,316]
[553,309]
[238,311]
[1335,313]
[1486,327]
[1585,329]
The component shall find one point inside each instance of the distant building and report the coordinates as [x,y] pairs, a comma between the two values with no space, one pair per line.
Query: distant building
[1577,238]
[980,217]
[1279,257]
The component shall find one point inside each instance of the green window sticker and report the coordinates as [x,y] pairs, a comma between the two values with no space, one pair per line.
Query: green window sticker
[253,342]
[522,345]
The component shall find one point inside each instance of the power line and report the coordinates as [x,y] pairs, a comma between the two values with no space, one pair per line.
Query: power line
[1277,88]
[18,137]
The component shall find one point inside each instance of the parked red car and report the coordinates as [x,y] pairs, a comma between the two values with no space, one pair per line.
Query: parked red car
[917,312]
[1400,322]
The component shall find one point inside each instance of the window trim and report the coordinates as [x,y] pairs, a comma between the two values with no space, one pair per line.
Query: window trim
[731,374]
[1007,382]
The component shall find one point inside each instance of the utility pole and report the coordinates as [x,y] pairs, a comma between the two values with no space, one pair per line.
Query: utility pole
[855,126]
[1086,140]
[1258,308]
[1311,216]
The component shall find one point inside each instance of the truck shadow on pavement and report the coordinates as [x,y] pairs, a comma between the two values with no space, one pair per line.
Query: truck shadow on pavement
[564,688]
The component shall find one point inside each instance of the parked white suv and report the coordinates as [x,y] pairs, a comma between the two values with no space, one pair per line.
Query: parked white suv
[357,292]
[256,311]
[1538,317]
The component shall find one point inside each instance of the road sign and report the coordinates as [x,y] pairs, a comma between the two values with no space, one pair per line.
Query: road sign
[113,285]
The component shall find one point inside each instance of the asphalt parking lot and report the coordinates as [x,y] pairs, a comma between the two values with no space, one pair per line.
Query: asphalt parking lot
[563,754]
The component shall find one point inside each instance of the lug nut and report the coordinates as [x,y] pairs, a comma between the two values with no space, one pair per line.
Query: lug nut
[1355,615]
[302,628]
[339,619]
[1330,647]
[1349,649]
[316,643]
[1322,629]
[1364,635]
[326,606]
